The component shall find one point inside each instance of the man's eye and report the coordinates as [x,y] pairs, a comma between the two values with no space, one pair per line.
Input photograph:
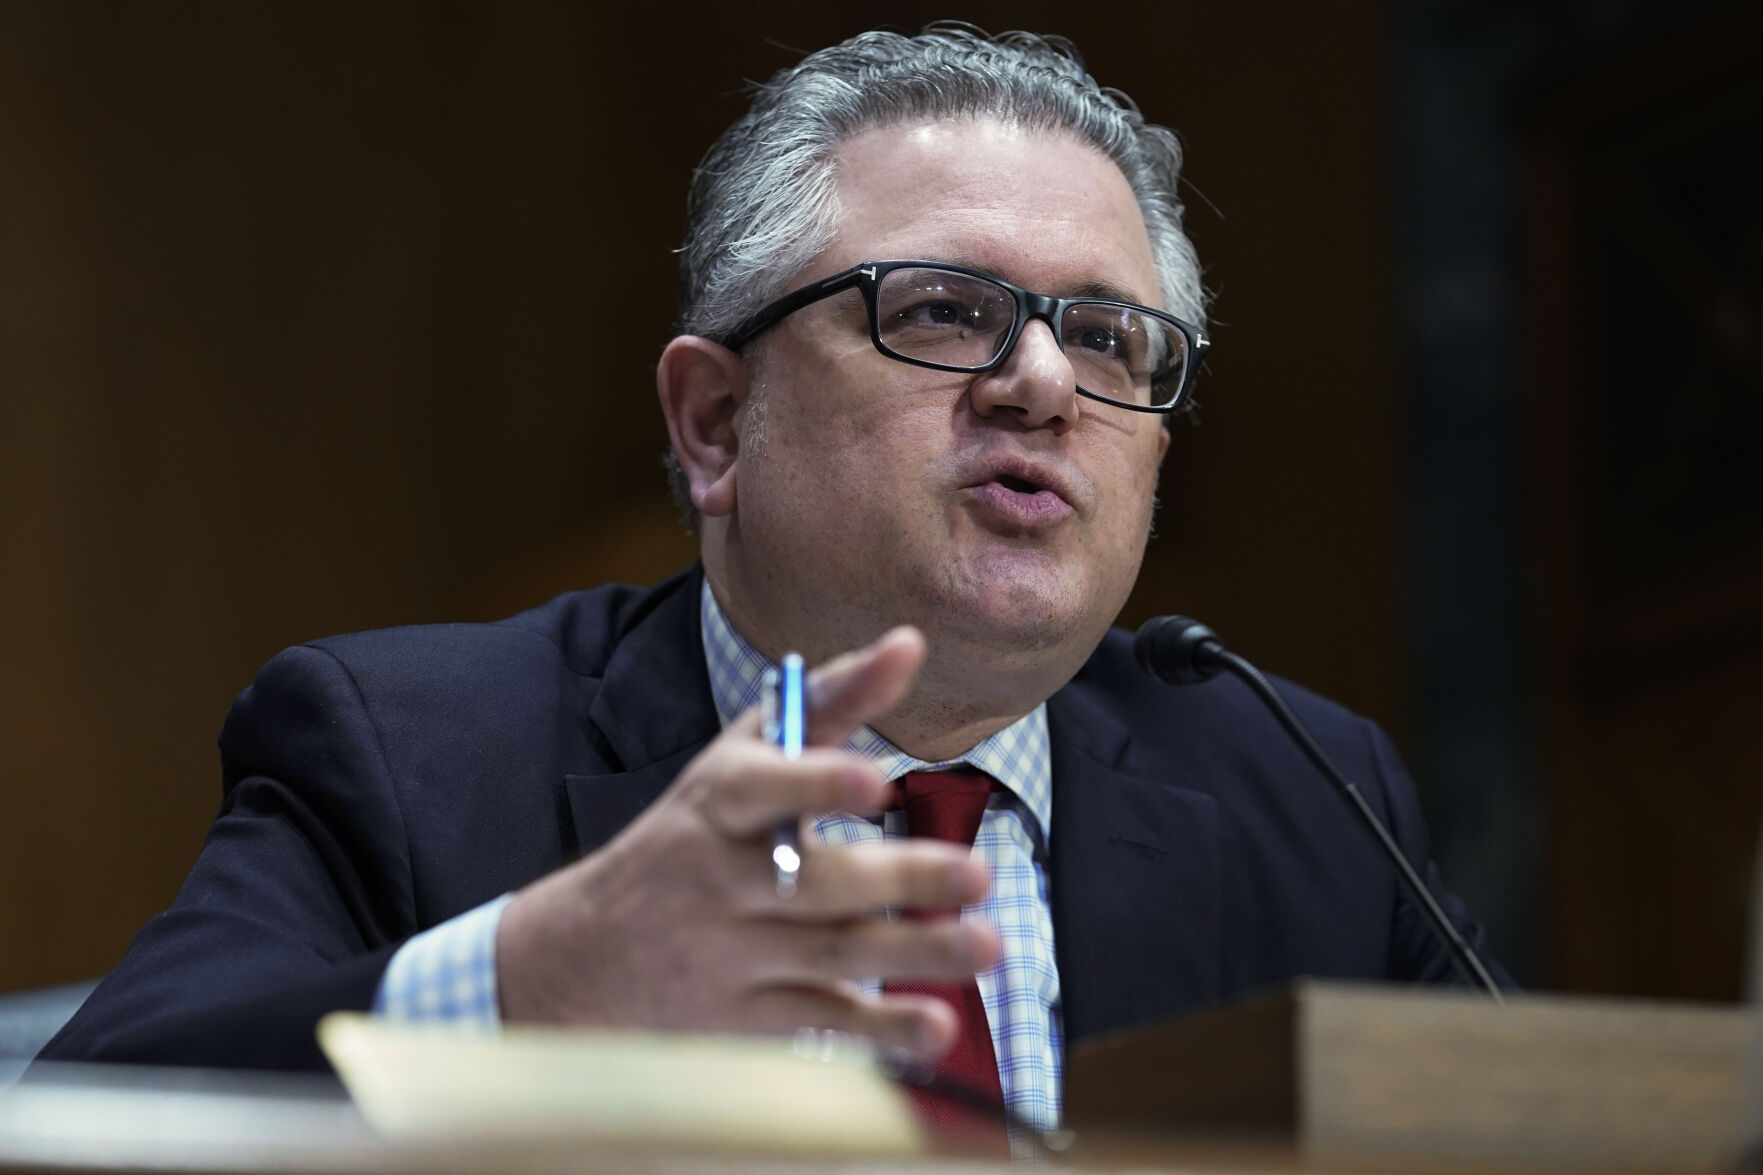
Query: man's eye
[1094,338]
[941,313]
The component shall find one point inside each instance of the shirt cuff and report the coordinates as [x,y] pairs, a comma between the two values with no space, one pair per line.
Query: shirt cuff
[448,972]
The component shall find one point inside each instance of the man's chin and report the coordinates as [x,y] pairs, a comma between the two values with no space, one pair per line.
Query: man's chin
[1011,609]
[1011,621]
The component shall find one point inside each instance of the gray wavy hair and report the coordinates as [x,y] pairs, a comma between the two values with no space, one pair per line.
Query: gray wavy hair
[764,203]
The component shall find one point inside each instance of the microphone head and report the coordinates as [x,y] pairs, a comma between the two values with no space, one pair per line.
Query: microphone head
[1178,649]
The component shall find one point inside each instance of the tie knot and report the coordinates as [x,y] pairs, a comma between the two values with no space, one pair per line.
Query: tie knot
[944,805]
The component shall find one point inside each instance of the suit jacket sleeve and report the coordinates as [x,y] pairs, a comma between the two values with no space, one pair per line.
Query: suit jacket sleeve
[300,896]
[379,783]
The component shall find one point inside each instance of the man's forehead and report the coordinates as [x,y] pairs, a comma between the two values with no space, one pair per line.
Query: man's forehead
[976,162]
[1038,207]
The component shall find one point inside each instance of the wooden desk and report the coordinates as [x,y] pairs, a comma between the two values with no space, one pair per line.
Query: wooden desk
[1319,1078]
[127,1122]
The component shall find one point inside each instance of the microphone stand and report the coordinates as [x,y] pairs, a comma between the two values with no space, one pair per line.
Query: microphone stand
[1257,681]
[1180,650]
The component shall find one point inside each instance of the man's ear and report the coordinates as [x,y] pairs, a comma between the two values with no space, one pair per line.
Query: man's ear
[702,386]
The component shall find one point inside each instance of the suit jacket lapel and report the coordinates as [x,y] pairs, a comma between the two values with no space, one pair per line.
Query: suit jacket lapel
[1136,876]
[652,713]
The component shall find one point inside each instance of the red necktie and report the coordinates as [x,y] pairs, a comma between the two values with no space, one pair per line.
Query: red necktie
[948,805]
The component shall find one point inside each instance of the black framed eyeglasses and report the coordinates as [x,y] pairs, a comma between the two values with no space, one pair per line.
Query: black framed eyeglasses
[952,318]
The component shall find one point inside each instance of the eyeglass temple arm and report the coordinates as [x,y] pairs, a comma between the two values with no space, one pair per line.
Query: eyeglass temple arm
[787,305]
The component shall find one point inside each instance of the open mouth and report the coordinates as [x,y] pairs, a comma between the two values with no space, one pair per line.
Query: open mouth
[1016,492]
[1014,504]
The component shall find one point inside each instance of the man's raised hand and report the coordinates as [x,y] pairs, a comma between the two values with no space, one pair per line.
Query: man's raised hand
[676,923]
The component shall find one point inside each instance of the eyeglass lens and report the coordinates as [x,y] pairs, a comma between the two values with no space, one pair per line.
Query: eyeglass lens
[958,320]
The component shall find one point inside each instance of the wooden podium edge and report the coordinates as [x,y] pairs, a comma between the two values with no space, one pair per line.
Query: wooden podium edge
[1338,1069]
[1229,1069]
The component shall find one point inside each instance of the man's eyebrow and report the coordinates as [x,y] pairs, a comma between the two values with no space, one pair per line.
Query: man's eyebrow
[1108,290]
[1097,288]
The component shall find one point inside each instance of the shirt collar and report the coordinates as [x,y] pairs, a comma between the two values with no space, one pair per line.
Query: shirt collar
[1017,756]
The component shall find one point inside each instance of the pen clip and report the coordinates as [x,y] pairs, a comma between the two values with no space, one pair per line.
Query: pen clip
[769,708]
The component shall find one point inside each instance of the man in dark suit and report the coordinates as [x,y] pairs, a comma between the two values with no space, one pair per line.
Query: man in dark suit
[937,309]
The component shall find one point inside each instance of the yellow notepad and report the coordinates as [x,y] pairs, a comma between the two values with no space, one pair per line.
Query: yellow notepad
[816,1095]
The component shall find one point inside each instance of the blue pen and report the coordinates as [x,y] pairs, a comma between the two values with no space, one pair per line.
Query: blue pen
[787,727]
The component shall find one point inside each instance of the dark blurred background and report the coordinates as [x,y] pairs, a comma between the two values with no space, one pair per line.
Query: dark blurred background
[324,316]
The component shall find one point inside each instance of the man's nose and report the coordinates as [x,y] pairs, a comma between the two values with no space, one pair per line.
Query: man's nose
[1035,383]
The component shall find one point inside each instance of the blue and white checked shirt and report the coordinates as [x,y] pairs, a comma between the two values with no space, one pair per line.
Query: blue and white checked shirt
[449,971]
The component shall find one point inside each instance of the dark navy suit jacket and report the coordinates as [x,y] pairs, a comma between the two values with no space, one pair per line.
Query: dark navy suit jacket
[379,783]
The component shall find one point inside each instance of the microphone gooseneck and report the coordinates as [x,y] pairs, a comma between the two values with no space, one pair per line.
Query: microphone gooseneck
[1182,651]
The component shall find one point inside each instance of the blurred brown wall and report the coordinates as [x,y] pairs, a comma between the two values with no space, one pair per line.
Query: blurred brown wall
[323,316]
[1645,223]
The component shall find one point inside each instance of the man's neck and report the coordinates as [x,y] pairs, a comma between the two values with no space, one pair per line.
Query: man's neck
[926,731]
